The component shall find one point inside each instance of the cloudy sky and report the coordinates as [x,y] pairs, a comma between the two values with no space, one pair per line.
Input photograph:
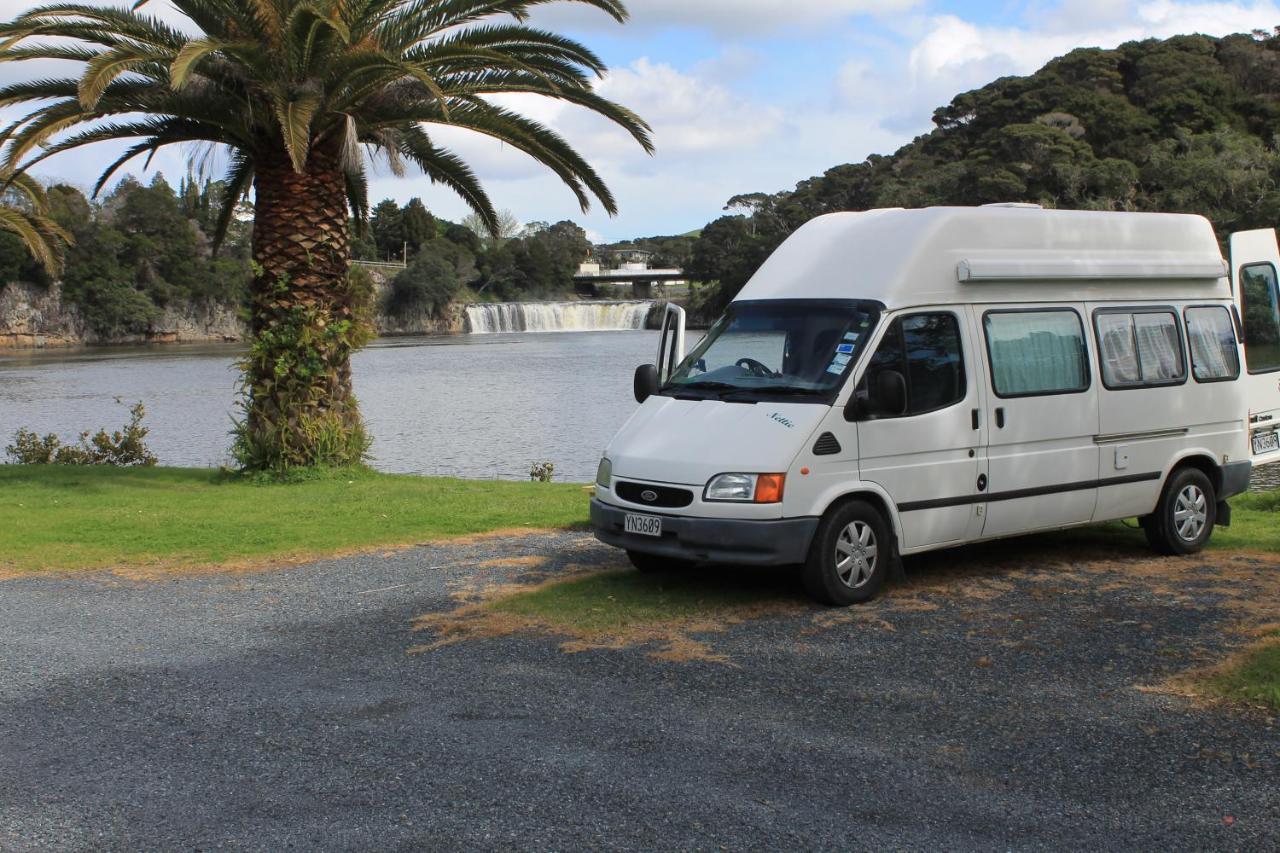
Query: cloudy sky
[755,95]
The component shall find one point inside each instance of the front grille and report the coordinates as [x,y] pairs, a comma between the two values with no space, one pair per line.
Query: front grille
[665,496]
[826,445]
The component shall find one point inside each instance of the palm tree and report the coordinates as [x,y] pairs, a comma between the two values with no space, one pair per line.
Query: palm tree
[301,95]
[24,214]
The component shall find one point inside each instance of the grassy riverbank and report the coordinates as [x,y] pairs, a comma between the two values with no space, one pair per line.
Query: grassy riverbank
[58,517]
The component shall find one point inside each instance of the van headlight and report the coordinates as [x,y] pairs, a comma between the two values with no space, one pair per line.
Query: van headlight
[748,488]
[604,473]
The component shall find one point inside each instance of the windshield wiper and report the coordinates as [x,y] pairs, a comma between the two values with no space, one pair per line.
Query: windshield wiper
[780,391]
[702,385]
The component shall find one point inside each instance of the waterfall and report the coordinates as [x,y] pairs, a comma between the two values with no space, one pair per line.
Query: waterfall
[488,318]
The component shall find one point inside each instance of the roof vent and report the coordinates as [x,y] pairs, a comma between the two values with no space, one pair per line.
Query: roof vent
[826,445]
[1018,205]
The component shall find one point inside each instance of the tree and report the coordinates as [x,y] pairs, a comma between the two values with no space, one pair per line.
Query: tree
[419,225]
[387,227]
[295,91]
[493,234]
[427,285]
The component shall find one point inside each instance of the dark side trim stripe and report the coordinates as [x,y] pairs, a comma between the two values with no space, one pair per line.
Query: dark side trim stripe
[1035,492]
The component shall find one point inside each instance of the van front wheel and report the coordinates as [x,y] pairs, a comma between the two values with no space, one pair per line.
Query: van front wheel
[850,555]
[1183,519]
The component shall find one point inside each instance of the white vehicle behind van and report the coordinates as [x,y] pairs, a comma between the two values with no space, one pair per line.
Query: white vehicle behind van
[897,381]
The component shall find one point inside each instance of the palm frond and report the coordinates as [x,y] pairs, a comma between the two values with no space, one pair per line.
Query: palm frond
[276,78]
[238,180]
[445,168]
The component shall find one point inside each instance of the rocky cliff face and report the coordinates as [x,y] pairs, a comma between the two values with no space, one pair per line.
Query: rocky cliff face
[31,317]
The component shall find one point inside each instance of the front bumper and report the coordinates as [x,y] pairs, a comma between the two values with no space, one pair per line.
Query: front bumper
[748,542]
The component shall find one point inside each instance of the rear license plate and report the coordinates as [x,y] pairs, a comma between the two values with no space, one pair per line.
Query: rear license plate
[645,525]
[1265,442]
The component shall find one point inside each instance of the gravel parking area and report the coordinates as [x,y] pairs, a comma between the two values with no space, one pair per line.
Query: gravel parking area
[1000,699]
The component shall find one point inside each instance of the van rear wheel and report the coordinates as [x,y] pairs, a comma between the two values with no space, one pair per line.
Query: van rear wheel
[1183,519]
[850,555]
[649,563]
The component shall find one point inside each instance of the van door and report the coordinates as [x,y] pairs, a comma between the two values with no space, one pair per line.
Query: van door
[926,454]
[1255,260]
[1043,415]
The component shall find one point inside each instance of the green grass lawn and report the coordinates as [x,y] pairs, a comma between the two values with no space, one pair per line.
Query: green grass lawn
[1254,677]
[1253,527]
[60,517]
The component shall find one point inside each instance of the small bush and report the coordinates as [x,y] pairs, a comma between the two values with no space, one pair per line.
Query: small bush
[542,472]
[124,448]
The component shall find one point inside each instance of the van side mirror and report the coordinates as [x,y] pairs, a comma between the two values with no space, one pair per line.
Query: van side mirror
[891,393]
[645,384]
[886,397]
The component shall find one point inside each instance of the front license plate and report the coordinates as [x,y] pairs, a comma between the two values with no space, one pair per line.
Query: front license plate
[1265,442]
[645,525]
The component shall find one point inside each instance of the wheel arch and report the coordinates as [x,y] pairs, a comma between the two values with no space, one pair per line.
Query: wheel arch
[877,498]
[1200,459]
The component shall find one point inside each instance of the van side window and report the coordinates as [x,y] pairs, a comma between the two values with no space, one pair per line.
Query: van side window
[1036,352]
[1211,337]
[1139,349]
[925,349]
[1261,318]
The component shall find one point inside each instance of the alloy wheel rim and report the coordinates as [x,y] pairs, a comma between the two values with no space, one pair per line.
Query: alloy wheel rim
[856,554]
[1190,513]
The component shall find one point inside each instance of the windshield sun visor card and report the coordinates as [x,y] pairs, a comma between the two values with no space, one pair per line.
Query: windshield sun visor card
[839,362]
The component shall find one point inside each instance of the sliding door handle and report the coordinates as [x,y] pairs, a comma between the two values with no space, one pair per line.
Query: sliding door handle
[1000,418]
[975,416]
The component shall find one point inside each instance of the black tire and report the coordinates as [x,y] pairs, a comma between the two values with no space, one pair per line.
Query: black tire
[1183,519]
[650,563]
[833,577]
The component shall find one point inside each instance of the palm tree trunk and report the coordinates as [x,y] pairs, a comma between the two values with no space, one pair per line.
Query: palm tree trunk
[300,410]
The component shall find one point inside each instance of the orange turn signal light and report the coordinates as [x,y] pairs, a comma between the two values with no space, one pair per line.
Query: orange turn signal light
[769,488]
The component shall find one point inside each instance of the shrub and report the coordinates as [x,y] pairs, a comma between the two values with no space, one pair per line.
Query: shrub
[427,285]
[123,448]
[542,472]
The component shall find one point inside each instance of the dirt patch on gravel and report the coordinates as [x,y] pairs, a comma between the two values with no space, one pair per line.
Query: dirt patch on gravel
[984,580]
[610,610]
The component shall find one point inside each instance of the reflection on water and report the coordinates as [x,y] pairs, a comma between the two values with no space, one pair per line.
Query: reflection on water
[462,406]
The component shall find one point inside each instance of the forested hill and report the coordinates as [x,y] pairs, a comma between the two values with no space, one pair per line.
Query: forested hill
[1189,124]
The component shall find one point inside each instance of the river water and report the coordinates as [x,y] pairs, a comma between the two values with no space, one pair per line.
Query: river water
[480,406]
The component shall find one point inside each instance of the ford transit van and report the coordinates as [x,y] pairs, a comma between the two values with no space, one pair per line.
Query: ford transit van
[897,381]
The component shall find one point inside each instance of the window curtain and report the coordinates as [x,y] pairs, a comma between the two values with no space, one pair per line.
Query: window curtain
[1159,350]
[1036,352]
[1213,350]
[1120,360]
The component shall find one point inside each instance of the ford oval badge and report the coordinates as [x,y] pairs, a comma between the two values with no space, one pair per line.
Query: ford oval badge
[649,495]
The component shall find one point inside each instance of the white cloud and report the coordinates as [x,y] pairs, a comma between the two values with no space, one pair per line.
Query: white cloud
[945,55]
[727,16]
[959,55]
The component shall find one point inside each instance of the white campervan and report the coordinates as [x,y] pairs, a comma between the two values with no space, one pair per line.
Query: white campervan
[896,381]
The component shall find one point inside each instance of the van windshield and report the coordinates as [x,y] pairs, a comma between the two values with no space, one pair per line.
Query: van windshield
[772,349]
